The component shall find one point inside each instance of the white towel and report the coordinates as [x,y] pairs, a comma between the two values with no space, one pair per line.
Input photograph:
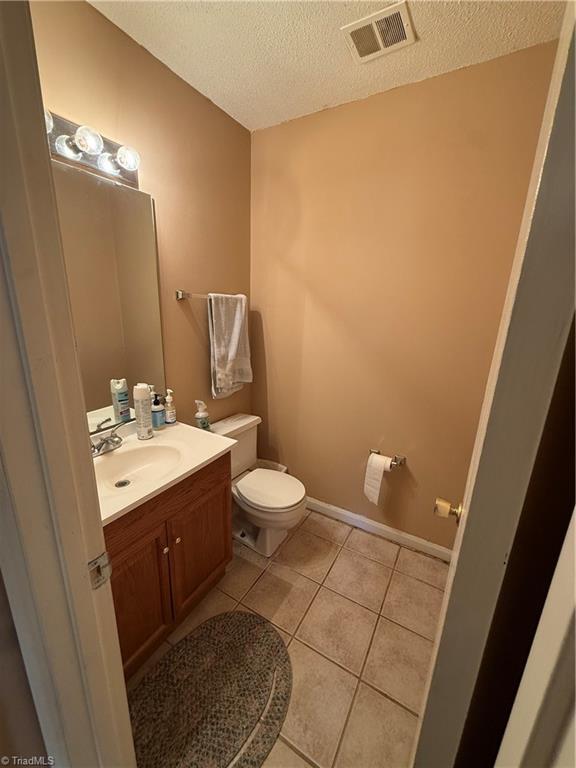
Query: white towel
[229,345]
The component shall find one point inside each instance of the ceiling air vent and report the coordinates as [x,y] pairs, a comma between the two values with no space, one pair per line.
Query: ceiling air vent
[380,33]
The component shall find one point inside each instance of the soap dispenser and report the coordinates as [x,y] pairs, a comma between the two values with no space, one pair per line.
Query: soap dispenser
[202,417]
[170,410]
[157,412]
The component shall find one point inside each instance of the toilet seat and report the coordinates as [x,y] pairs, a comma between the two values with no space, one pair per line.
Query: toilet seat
[268,490]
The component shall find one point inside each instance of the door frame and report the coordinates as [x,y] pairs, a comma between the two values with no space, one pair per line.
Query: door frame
[49,512]
[536,320]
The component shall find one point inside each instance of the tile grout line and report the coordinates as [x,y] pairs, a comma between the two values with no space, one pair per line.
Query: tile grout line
[390,698]
[421,581]
[368,557]
[359,679]
[296,749]
[418,551]
[325,537]
[352,600]
[319,586]
[293,636]
[403,626]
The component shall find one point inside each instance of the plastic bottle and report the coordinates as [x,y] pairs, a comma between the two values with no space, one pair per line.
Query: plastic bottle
[202,417]
[120,404]
[157,413]
[170,411]
[143,412]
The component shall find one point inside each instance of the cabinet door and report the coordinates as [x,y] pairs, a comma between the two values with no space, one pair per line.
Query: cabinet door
[141,589]
[200,537]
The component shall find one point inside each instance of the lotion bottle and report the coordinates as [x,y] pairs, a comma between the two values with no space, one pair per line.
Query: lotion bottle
[202,417]
[170,411]
[143,412]
[120,404]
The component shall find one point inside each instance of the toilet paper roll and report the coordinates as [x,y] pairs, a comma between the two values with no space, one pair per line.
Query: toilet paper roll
[375,469]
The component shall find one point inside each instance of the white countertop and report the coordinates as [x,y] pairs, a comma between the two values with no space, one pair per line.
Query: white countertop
[151,466]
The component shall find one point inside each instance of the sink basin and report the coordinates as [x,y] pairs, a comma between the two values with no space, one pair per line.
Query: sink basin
[118,471]
[141,469]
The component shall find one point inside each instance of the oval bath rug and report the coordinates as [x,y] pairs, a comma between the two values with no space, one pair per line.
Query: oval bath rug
[217,699]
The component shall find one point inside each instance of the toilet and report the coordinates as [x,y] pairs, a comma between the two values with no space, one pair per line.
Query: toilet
[267,501]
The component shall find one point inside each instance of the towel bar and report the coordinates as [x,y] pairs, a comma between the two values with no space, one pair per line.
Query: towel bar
[180,295]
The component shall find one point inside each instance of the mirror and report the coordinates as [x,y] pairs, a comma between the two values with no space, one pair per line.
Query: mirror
[109,243]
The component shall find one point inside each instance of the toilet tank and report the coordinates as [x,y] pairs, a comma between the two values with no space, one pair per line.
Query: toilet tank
[243,428]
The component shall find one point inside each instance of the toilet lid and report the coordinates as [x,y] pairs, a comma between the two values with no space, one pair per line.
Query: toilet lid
[269,489]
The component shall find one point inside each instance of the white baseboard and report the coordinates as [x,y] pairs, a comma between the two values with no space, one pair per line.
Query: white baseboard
[372,526]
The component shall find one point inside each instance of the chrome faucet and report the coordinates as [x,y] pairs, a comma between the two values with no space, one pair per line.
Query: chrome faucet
[108,443]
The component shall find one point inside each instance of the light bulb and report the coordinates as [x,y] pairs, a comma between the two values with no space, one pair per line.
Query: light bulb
[128,158]
[48,121]
[88,141]
[66,147]
[108,164]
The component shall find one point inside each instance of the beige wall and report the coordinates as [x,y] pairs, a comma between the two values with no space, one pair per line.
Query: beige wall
[382,238]
[195,164]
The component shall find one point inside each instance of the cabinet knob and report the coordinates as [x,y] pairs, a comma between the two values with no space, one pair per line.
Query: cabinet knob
[165,550]
[178,540]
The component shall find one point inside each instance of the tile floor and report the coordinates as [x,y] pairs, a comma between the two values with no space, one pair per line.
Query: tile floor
[358,615]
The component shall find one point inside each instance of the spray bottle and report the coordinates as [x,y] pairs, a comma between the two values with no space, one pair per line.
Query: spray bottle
[120,404]
[141,395]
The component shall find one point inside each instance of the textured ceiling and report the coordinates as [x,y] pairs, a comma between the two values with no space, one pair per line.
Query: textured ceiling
[267,62]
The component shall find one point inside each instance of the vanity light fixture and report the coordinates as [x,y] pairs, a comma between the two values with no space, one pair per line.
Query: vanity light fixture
[128,158]
[88,140]
[85,140]
[107,163]
[66,147]
[81,144]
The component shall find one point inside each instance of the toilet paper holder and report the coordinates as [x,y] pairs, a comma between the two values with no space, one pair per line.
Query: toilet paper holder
[397,461]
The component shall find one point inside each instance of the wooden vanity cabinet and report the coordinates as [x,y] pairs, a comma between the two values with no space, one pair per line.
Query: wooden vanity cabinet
[142,601]
[166,554]
[201,537]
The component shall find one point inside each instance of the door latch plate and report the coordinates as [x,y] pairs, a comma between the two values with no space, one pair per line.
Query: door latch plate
[100,570]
